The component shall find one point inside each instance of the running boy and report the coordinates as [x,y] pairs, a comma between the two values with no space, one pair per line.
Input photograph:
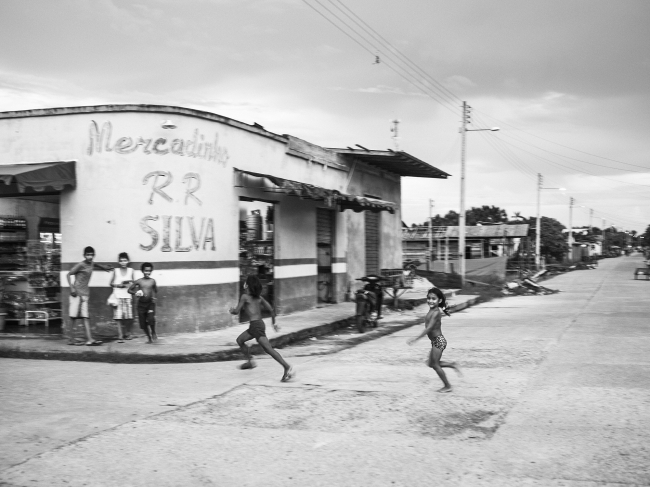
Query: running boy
[80,294]
[433,329]
[252,302]
[146,289]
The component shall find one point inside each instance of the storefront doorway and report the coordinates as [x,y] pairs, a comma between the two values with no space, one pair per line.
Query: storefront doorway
[324,251]
[372,242]
[256,246]
[30,264]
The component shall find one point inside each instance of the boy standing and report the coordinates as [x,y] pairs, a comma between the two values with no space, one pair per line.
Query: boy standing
[146,289]
[80,294]
[123,313]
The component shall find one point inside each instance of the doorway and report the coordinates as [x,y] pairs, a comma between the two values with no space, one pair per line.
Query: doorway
[372,242]
[324,251]
[256,247]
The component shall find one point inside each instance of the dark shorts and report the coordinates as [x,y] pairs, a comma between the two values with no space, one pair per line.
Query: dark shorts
[257,328]
[146,314]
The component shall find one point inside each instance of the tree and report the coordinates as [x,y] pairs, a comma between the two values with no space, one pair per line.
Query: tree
[553,242]
[644,238]
[486,214]
[450,219]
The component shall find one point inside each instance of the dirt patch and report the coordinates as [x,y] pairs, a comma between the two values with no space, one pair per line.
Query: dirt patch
[418,412]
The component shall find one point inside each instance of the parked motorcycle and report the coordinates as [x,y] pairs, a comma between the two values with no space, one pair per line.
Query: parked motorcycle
[369,301]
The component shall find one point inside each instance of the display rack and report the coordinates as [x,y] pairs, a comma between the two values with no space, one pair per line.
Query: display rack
[32,293]
[13,239]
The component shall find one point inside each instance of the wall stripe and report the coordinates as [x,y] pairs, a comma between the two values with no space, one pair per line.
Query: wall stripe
[339,268]
[288,271]
[338,260]
[196,264]
[286,262]
[171,277]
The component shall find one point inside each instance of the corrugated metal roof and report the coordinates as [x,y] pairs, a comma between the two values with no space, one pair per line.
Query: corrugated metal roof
[491,231]
[479,231]
[398,162]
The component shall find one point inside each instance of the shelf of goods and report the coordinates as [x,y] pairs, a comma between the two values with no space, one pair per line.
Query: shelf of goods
[31,291]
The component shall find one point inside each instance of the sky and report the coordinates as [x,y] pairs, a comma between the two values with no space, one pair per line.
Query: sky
[566,82]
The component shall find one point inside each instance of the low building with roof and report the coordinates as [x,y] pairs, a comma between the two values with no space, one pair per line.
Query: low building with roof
[205,198]
[487,247]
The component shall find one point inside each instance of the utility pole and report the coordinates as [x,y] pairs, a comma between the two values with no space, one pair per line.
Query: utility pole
[591,216]
[538,224]
[395,130]
[461,215]
[429,260]
[571,202]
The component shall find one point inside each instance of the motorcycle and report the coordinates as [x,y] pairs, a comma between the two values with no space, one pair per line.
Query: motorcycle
[369,301]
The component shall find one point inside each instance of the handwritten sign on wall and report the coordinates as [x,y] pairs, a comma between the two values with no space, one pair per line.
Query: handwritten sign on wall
[188,234]
[196,147]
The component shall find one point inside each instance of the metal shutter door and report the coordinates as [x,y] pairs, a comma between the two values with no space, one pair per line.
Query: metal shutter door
[324,224]
[372,243]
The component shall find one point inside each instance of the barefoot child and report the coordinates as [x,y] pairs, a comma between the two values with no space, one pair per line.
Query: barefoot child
[146,289]
[432,328]
[251,302]
[80,294]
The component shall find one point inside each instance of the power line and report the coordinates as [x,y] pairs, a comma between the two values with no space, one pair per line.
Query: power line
[409,77]
[409,68]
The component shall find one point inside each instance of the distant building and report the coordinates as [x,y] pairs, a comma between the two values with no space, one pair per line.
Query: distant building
[487,247]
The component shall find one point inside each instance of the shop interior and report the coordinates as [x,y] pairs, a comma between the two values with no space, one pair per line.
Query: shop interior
[30,265]
[256,246]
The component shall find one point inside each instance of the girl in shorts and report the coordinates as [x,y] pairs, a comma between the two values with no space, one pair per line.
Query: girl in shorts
[433,329]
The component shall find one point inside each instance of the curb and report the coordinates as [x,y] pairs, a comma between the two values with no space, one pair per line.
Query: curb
[230,354]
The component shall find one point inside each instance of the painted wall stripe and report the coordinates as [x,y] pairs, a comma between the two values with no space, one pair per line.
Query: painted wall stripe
[288,262]
[287,271]
[171,277]
[339,268]
[196,264]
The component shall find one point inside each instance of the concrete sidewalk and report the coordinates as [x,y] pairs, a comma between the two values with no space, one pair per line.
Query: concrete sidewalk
[220,344]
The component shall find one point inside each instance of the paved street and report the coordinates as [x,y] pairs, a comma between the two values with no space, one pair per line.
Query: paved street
[556,392]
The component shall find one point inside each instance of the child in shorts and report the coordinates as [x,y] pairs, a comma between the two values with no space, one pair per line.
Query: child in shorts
[80,295]
[433,329]
[147,291]
[123,277]
[252,302]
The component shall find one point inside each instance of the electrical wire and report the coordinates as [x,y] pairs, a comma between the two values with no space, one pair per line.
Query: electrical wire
[413,74]
[409,77]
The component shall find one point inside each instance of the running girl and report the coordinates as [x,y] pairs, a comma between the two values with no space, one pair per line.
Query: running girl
[433,329]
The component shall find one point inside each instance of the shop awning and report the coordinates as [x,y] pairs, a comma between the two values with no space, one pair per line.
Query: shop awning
[365,203]
[312,192]
[397,162]
[39,177]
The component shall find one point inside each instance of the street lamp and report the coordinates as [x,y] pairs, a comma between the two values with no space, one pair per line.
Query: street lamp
[538,228]
[461,217]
